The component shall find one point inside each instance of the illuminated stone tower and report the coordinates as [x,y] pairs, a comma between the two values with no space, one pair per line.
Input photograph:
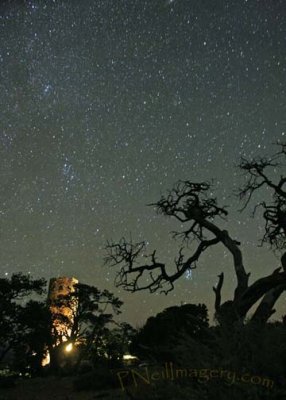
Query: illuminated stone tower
[61,305]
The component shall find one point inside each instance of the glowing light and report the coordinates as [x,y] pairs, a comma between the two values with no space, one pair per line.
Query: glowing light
[69,347]
[129,357]
[46,360]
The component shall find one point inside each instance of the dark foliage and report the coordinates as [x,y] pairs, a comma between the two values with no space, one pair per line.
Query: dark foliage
[13,326]
[27,327]
[160,334]
[248,351]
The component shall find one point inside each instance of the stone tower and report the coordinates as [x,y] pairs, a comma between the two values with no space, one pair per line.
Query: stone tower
[61,305]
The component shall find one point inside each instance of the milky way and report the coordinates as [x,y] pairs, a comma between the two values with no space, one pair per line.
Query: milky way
[105,104]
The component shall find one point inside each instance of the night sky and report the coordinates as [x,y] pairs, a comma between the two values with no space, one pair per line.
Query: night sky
[105,104]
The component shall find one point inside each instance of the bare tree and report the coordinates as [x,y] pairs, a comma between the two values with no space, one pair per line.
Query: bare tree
[192,205]
[258,175]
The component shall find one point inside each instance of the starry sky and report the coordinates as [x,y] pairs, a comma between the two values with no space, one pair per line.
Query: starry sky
[105,104]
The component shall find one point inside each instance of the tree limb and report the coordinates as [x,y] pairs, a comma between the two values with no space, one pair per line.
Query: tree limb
[259,288]
[217,290]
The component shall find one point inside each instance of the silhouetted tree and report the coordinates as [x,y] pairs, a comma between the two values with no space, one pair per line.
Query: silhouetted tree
[28,327]
[160,335]
[87,322]
[258,175]
[35,320]
[13,291]
[114,343]
[192,205]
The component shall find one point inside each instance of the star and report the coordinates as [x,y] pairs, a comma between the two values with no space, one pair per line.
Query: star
[99,119]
